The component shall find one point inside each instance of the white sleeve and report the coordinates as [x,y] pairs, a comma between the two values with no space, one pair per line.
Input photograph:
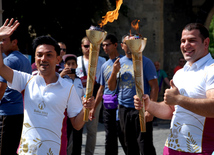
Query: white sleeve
[210,78]
[74,104]
[19,80]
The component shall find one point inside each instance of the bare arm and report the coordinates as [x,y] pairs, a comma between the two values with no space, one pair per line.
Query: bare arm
[166,80]
[3,87]
[77,121]
[160,110]
[154,89]
[99,96]
[5,31]
[112,81]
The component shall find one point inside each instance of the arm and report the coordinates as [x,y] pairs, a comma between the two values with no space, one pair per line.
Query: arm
[77,121]
[112,82]
[166,80]
[5,31]
[160,110]
[3,87]
[203,107]
[98,99]
[153,97]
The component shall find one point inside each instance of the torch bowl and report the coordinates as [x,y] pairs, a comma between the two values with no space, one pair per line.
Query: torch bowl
[96,37]
[136,45]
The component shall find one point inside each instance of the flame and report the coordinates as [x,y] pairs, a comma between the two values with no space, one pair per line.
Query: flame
[111,15]
[135,25]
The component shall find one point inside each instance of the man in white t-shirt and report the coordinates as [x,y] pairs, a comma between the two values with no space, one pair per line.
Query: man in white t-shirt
[190,101]
[48,98]
[81,71]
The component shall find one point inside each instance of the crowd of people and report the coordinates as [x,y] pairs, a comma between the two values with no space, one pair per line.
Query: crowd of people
[42,105]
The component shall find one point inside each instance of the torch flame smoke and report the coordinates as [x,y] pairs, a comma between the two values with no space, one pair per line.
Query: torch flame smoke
[111,15]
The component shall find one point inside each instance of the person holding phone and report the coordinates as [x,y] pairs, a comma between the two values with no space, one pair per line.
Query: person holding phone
[69,74]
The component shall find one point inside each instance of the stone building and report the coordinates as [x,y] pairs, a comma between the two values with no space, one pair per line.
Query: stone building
[161,22]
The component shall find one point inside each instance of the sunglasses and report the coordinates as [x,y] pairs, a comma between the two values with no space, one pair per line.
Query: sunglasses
[103,45]
[63,49]
[86,46]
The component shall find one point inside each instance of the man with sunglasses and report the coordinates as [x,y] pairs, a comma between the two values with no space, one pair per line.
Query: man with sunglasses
[62,53]
[81,71]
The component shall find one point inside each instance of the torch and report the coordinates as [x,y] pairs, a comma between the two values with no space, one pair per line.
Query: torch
[95,37]
[136,46]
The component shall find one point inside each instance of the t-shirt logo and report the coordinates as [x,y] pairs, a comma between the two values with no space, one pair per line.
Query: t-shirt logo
[41,105]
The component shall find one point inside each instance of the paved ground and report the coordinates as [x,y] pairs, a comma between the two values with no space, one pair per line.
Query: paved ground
[160,134]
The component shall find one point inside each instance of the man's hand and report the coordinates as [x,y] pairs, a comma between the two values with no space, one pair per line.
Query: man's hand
[65,71]
[89,104]
[8,28]
[171,96]
[138,104]
[116,66]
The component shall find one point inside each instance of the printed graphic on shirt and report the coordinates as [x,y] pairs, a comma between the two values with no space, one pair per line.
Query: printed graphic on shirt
[127,77]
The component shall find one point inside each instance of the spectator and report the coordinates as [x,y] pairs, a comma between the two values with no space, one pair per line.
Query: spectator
[82,69]
[136,141]
[162,76]
[181,64]
[112,126]
[74,136]
[63,50]
[11,104]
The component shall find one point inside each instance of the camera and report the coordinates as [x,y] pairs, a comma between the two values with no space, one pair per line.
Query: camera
[73,71]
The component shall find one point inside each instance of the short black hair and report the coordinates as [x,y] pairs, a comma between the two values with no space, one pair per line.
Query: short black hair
[112,38]
[46,40]
[204,33]
[71,58]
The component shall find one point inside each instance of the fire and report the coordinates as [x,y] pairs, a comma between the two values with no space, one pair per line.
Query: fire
[135,26]
[111,15]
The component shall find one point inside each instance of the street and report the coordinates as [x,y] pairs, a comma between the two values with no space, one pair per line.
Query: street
[160,133]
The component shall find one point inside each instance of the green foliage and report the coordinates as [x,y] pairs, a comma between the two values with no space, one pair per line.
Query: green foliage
[211,31]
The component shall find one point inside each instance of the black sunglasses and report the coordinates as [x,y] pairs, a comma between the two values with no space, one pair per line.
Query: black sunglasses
[86,46]
[63,49]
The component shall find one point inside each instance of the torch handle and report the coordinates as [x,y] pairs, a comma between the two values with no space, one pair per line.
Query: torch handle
[138,73]
[92,67]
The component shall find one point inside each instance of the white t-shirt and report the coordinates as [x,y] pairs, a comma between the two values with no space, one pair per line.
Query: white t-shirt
[79,70]
[45,110]
[191,132]
[78,86]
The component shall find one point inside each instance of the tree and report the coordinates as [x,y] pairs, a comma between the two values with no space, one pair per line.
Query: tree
[211,31]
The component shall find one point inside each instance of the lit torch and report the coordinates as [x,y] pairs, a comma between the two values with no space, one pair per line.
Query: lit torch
[136,44]
[96,36]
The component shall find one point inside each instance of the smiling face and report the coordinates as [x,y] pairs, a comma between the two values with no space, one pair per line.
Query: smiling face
[46,59]
[192,46]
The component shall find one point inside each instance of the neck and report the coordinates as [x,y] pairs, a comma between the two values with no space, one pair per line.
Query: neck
[86,57]
[114,55]
[72,76]
[49,78]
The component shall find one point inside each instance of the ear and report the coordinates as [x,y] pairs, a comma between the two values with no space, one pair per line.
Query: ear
[15,42]
[58,59]
[206,43]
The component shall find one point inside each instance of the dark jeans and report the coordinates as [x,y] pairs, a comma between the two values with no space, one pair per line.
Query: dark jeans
[136,142]
[11,128]
[112,129]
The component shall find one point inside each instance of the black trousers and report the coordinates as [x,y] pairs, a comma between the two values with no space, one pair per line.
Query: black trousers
[113,131]
[137,143]
[76,137]
[10,133]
